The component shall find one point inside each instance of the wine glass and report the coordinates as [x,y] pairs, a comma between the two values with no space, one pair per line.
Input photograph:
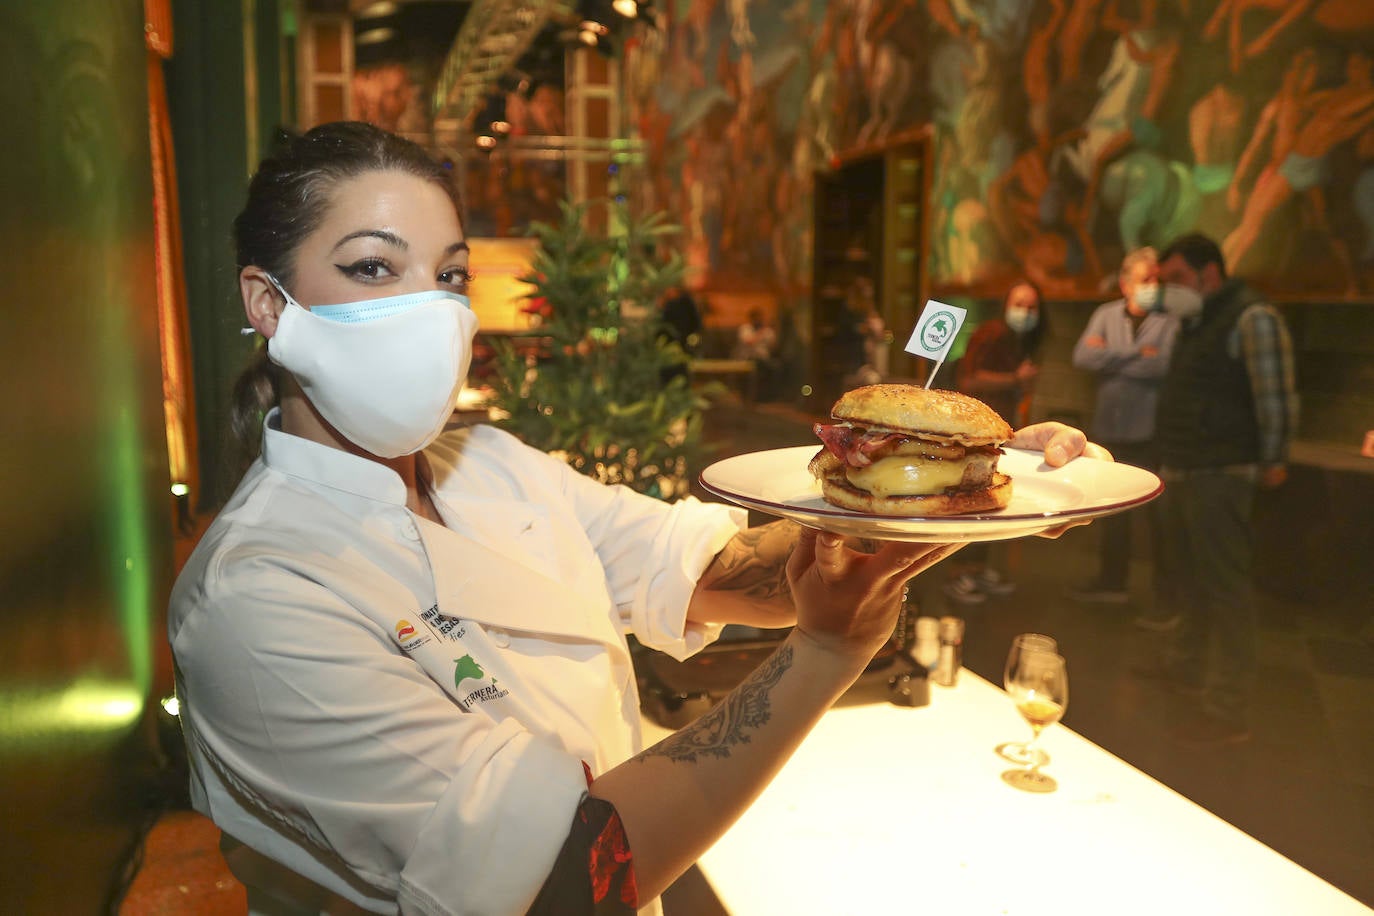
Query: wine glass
[1015,751]
[1040,690]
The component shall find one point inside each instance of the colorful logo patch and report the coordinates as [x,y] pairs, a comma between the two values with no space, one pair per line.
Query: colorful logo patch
[409,637]
[467,669]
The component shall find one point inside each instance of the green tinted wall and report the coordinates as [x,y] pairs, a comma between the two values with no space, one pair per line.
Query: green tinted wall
[220,132]
[85,549]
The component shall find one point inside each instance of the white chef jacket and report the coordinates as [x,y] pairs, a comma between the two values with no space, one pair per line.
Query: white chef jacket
[399,711]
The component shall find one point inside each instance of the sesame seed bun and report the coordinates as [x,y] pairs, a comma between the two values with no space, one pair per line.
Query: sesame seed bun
[902,450]
[930,413]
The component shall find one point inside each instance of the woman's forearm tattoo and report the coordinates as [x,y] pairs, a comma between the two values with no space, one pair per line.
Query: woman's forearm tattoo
[746,709]
[755,564]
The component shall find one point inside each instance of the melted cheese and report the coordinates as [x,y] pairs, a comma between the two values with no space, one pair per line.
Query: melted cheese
[906,475]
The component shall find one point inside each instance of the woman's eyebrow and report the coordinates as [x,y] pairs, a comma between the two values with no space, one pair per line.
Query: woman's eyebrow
[390,238]
[455,248]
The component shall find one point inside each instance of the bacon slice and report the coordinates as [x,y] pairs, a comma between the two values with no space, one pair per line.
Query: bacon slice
[859,448]
[856,447]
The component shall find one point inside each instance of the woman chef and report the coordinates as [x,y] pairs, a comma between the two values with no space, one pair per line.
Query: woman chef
[402,655]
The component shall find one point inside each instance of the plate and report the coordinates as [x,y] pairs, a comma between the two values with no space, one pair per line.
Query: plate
[777,482]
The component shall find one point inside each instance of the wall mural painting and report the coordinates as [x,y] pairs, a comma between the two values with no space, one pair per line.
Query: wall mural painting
[1066,133]
[504,190]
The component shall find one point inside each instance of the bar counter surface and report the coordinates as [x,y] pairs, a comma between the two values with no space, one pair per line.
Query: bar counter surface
[889,809]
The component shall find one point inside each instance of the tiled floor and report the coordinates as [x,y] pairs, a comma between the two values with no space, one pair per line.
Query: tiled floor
[1304,785]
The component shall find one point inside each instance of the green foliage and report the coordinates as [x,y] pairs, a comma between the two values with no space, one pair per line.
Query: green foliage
[602,393]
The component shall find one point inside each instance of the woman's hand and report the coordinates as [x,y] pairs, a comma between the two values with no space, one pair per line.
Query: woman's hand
[847,602]
[1061,444]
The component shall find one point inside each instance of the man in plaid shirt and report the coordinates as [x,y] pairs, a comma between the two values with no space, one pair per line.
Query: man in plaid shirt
[1227,411]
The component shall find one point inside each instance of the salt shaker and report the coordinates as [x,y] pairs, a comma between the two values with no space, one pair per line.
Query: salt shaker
[927,648]
[951,651]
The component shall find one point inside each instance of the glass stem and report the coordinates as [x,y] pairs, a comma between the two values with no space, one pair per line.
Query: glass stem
[1032,753]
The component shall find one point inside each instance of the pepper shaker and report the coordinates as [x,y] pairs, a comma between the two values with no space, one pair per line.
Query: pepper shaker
[951,651]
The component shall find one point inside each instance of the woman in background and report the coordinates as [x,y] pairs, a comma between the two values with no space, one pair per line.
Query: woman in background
[999,368]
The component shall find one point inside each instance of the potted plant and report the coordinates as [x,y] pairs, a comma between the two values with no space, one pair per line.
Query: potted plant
[607,389]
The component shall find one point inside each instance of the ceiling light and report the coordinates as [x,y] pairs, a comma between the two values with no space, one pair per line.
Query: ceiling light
[376,10]
[485,142]
[627,8]
[500,127]
[589,32]
[374,36]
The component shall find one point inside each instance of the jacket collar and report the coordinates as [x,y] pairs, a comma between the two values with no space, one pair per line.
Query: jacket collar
[328,466]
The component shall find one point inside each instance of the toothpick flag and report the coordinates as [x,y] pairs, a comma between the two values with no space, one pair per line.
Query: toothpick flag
[935,331]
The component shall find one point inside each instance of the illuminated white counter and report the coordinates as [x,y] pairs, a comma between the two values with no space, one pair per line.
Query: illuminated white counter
[886,810]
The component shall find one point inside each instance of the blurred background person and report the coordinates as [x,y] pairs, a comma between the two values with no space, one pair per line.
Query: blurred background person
[1127,343]
[756,340]
[1228,408]
[681,321]
[999,365]
[862,336]
[999,368]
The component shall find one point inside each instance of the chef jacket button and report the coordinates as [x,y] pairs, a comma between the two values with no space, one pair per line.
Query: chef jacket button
[500,637]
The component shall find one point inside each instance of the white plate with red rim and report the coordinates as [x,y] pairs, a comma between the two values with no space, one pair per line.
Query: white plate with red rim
[777,482]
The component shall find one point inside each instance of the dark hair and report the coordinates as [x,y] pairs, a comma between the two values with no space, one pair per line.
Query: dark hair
[287,200]
[1197,250]
[1030,341]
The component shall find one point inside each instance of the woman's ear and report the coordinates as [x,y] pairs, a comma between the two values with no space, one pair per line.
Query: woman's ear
[262,304]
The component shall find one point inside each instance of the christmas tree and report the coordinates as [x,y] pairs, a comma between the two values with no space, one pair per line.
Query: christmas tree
[608,392]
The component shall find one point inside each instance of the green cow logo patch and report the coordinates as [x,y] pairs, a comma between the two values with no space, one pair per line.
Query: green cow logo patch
[467,668]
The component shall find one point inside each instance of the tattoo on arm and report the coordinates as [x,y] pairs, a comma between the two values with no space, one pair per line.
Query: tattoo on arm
[746,708]
[755,563]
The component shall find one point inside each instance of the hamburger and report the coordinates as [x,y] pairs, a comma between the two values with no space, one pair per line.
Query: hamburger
[905,450]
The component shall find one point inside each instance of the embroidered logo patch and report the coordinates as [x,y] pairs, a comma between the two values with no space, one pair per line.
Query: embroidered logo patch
[408,637]
[467,669]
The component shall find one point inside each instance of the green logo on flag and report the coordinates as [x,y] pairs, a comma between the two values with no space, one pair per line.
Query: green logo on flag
[937,329]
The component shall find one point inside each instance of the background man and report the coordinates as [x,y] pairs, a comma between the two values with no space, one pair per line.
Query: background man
[1227,411]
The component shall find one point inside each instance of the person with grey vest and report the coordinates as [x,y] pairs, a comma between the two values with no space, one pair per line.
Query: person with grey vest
[1228,409]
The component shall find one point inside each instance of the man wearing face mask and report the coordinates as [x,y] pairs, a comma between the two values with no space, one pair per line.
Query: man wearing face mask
[1227,411]
[1127,343]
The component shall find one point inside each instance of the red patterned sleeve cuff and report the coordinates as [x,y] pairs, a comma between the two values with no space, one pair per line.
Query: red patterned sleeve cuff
[594,873]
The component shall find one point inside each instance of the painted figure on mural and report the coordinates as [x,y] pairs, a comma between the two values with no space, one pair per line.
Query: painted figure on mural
[1065,132]
[887,34]
[1131,92]
[1152,199]
[1216,135]
[1363,196]
[1302,126]
[1022,205]
[383,95]
[1336,16]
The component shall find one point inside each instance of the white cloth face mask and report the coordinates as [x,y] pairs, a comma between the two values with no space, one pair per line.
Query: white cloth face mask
[1022,320]
[384,372]
[1147,297]
[1181,301]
